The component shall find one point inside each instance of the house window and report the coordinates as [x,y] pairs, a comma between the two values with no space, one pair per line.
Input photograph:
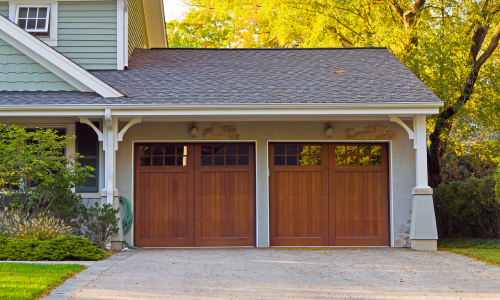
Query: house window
[34,19]
[87,145]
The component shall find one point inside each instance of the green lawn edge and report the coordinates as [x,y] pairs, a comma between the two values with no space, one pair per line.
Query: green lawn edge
[32,281]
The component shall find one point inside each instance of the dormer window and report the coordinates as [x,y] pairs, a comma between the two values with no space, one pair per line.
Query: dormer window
[34,19]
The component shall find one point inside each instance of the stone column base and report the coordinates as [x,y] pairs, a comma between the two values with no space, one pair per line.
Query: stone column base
[116,246]
[425,245]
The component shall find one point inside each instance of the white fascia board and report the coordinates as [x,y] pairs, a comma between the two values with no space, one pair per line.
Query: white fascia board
[220,110]
[53,60]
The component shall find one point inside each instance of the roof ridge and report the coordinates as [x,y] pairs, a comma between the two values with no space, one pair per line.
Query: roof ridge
[271,49]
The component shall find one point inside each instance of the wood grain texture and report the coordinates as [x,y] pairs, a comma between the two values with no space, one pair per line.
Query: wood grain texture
[194,205]
[329,204]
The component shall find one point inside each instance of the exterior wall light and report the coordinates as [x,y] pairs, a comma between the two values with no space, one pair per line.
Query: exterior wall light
[193,130]
[329,130]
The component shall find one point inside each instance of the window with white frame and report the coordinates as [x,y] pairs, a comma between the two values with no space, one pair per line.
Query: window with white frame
[34,18]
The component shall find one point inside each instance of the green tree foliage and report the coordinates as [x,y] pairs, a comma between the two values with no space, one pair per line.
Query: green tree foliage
[36,177]
[198,30]
[449,44]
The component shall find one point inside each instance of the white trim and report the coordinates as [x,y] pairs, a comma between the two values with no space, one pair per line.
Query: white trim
[421,152]
[53,60]
[100,136]
[37,6]
[120,34]
[124,129]
[411,133]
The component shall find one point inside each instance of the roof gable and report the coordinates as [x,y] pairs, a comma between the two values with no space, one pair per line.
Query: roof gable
[53,61]
[18,72]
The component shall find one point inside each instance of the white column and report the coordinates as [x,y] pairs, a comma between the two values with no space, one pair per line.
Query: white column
[421,151]
[423,230]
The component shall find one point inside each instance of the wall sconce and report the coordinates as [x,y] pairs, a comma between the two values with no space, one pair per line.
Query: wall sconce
[329,130]
[193,130]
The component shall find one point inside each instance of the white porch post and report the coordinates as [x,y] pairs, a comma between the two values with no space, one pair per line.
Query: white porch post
[423,231]
[110,194]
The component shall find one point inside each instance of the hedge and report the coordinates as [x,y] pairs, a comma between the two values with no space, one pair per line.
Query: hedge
[468,209]
[61,248]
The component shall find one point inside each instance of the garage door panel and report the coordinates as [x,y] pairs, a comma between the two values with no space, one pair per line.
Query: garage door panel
[225,207]
[341,200]
[298,195]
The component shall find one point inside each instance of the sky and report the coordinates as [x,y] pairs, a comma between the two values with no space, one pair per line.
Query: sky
[173,9]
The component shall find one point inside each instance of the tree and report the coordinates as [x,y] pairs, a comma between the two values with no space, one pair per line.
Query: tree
[449,44]
[35,176]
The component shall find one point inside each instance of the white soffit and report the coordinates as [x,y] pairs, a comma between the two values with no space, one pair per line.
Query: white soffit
[155,23]
[53,60]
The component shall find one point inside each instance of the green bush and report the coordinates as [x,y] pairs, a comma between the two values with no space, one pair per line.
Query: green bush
[468,209]
[61,248]
[99,223]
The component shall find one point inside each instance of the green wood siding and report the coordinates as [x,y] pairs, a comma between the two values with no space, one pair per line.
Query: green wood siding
[4,9]
[86,33]
[18,72]
[137,31]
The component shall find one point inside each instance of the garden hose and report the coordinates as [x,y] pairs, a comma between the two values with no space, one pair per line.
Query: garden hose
[127,221]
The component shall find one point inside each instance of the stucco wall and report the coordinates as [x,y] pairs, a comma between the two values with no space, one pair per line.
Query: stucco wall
[402,172]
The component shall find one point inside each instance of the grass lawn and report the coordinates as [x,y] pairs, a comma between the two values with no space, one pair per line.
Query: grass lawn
[30,281]
[483,250]
[491,256]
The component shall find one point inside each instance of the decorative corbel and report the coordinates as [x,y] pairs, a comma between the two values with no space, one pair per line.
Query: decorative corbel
[100,136]
[130,124]
[411,133]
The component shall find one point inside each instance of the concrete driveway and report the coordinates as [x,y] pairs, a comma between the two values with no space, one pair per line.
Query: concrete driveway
[293,274]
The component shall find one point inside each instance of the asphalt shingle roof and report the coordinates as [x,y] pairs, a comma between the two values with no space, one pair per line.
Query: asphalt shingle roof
[224,76]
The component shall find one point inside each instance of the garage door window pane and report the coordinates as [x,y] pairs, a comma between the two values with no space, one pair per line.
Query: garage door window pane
[206,150]
[182,161]
[145,161]
[352,150]
[231,160]
[291,160]
[340,161]
[279,160]
[303,160]
[206,160]
[230,150]
[364,160]
[279,150]
[376,150]
[364,150]
[376,161]
[157,160]
[218,160]
[169,160]
[218,150]
[242,150]
[352,160]
[340,150]
[169,150]
[243,160]
[145,150]
[291,150]
[315,160]
[157,150]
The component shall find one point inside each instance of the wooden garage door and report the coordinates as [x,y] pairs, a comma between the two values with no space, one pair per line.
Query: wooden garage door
[329,195]
[194,195]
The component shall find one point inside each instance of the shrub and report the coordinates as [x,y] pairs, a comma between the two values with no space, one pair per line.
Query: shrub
[41,228]
[35,175]
[99,223]
[61,248]
[468,209]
